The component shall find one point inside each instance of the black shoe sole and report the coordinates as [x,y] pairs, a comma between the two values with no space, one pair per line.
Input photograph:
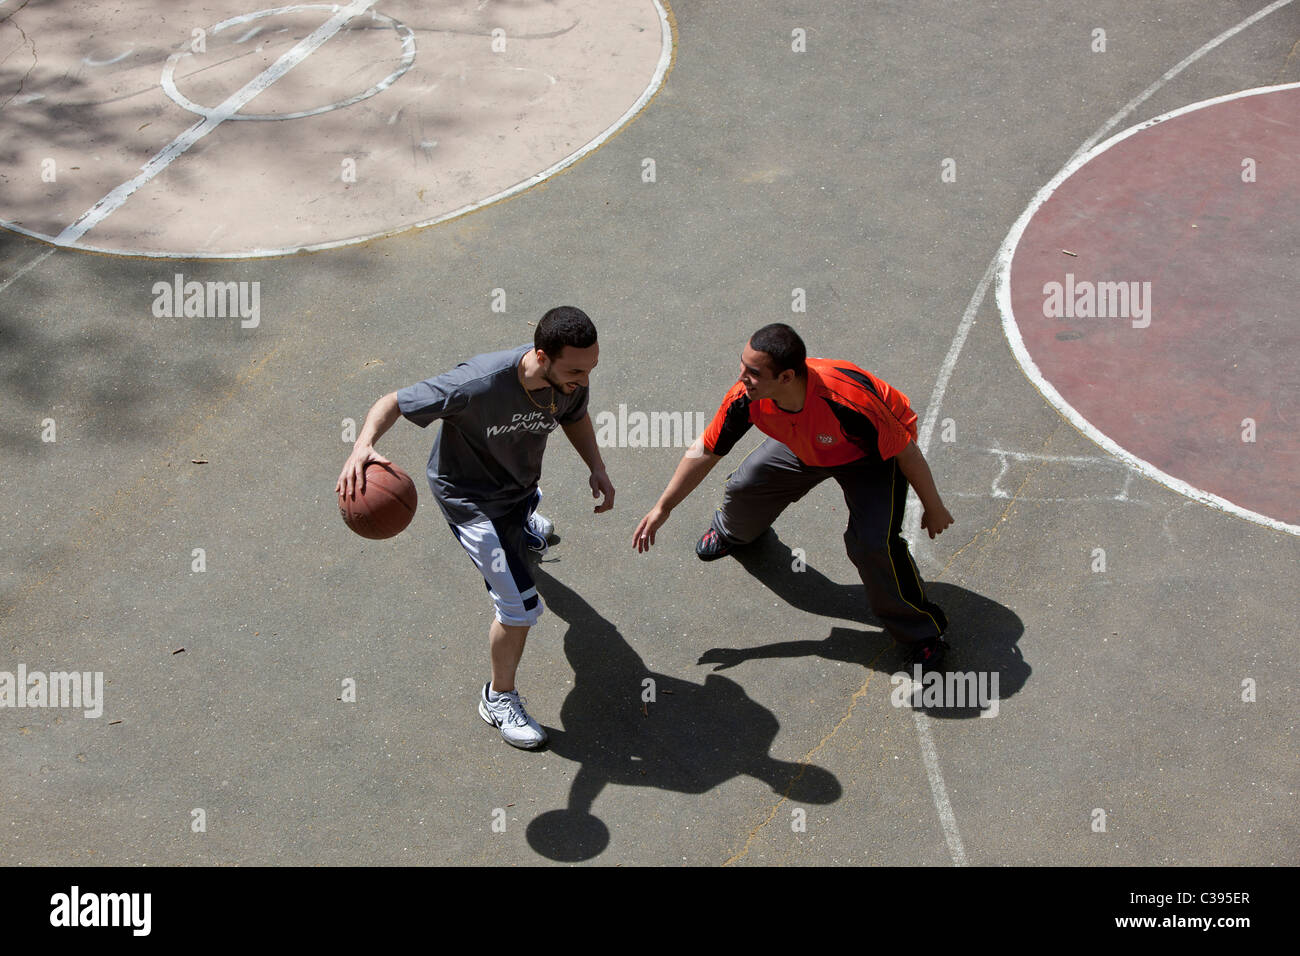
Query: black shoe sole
[936,660]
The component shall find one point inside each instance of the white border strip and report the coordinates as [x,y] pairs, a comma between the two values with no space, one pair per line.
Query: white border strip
[1007,254]
[930,757]
[661,70]
[911,511]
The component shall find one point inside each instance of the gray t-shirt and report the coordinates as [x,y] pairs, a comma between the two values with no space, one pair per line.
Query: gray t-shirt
[487,457]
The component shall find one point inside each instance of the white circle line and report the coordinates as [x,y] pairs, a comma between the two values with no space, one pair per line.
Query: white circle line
[661,69]
[1030,368]
[404,33]
[269,12]
[117,196]
[912,516]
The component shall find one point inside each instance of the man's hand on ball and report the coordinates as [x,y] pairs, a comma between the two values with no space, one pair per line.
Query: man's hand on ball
[352,480]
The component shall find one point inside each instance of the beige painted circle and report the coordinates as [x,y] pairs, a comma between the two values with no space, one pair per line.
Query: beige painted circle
[305,126]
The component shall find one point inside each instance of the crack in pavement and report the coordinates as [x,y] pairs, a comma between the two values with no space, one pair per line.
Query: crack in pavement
[992,530]
[1286,64]
[807,759]
[30,42]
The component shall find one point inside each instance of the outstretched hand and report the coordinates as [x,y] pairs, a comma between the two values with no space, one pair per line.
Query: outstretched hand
[644,536]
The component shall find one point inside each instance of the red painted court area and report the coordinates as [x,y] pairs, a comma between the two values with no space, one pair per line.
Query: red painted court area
[1175,321]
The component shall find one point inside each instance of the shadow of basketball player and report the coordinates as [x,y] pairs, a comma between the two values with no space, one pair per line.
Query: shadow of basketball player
[981,632]
[692,738]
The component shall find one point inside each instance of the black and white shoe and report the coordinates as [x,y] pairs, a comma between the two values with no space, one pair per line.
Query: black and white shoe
[507,714]
[537,530]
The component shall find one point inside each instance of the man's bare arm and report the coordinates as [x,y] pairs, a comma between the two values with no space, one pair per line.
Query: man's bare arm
[582,436]
[935,517]
[379,419]
[691,470]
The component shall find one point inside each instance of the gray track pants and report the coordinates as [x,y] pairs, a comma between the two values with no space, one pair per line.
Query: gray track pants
[771,477]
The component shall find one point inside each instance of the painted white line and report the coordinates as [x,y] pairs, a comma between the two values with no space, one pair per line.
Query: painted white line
[1005,458]
[912,517]
[117,59]
[1049,392]
[930,757]
[404,33]
[911,511]
[656,81]
[1035,456]
[1068,500]
[1174,71]
[26,269]
[236,101]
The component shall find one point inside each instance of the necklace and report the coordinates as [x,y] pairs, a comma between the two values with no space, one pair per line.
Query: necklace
[550,407]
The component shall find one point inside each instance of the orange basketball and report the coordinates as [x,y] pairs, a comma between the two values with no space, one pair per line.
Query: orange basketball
[387,505]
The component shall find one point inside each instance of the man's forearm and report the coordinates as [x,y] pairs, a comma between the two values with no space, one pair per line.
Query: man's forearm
[917,472]
[691,470]
[379,419]
[582,436]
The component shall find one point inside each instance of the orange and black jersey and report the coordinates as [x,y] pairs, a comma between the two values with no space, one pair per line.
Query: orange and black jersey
[847,414]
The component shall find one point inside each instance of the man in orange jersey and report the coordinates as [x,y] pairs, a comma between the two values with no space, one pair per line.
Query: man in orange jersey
[825,419]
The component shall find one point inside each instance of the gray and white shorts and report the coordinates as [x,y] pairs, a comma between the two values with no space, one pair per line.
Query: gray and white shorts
[496,546]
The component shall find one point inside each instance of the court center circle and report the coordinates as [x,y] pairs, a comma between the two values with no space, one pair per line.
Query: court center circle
[404,34]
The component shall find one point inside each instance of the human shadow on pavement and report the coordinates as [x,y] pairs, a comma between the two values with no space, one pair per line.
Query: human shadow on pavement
[982,633]
[690,739]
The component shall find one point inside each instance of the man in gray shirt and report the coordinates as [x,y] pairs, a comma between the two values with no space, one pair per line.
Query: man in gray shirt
[497,410]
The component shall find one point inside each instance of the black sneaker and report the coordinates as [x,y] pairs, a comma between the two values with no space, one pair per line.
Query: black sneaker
[712,546]
[928,654]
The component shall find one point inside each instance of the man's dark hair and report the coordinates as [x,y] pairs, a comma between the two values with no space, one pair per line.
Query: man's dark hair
[564,325]
[783,346]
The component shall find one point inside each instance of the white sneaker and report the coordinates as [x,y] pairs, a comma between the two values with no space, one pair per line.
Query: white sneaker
[536,530]
[507,712]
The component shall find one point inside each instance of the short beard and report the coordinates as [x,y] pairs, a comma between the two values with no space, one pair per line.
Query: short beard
[552,382]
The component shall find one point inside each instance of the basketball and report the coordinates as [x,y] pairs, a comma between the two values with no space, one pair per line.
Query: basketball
[387,505]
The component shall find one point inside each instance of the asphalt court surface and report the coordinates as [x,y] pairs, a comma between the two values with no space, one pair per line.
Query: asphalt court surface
[1124,620]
